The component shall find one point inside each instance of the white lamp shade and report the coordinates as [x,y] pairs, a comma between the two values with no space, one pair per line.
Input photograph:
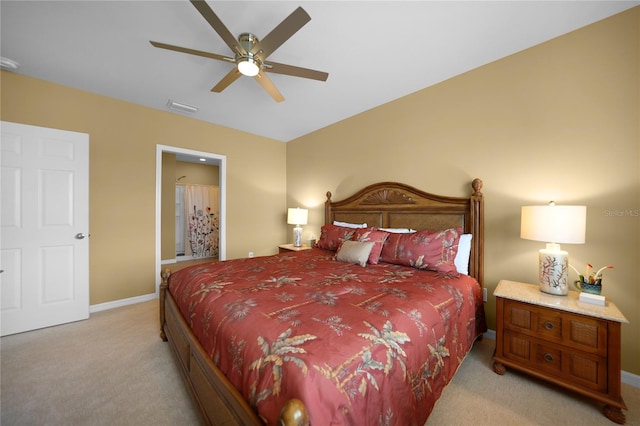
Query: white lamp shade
[554,224]
[297,216]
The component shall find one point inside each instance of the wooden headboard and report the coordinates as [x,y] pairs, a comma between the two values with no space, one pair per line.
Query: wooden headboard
[396,205]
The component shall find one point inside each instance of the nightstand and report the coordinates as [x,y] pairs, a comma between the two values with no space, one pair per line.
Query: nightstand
[562,340]
[290,247]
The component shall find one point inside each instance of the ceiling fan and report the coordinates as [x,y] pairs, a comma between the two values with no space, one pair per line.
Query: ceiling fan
[250,54]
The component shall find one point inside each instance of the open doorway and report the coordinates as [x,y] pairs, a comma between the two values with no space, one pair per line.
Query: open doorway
[189,156]
[196,209]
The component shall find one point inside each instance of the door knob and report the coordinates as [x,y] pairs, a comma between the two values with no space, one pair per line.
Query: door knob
[80,236]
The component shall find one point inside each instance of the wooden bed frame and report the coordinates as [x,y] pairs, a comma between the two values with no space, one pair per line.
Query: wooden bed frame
[384,205]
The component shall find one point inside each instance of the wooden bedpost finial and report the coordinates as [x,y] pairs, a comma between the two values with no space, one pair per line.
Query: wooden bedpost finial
[329,196]
[294,413]
[477,186]
[164,274]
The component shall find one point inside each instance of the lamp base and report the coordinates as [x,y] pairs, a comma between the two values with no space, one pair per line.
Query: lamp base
[297,236]
[554,264]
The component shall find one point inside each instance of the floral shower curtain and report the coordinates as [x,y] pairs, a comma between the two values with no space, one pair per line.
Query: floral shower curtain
[202,215]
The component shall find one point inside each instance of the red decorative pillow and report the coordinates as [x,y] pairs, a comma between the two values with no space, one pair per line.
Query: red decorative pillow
[375,236]
[331,236]
[432,250]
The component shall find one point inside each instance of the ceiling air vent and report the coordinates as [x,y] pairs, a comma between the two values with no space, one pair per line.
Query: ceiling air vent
[180,107]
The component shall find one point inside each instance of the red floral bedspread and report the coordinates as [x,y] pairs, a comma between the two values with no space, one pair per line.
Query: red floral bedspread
[359,345]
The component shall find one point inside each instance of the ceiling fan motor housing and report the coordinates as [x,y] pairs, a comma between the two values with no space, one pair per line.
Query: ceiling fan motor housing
[248,41]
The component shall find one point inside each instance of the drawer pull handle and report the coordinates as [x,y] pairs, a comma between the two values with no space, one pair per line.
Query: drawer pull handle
[548,357]
[548,325]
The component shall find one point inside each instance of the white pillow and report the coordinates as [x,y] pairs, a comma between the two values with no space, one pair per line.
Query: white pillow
[355,252]
[464,251]
[350,225]
[398,230]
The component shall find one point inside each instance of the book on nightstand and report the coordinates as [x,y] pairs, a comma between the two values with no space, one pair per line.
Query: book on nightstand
[594,299]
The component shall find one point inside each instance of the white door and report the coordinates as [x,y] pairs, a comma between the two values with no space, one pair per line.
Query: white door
[180,220]
[44,220]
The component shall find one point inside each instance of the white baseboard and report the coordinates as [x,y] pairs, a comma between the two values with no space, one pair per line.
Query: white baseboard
[626,377]
[122,302]
[490,334]
[631,379]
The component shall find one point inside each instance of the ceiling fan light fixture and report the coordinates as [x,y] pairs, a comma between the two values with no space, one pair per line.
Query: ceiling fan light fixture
[248,66]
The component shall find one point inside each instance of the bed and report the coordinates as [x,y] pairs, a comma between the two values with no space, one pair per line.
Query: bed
[367,327]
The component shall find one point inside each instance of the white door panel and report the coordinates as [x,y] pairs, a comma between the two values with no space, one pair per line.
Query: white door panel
[45,205]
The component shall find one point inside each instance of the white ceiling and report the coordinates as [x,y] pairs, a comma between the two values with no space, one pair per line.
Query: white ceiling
[374,51]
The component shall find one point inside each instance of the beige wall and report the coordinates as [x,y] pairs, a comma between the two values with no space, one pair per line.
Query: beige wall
[196,173]
[560,121]
[122,187]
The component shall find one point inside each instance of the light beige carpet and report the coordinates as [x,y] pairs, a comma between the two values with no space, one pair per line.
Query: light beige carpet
[113,369]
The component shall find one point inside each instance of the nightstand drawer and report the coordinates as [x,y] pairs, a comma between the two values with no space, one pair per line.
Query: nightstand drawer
[580,368]
[576,331]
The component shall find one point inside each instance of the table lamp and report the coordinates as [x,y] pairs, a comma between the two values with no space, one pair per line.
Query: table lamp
[555,225]
[297,217]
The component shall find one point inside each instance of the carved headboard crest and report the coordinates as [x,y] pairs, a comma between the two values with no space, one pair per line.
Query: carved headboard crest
[386,196]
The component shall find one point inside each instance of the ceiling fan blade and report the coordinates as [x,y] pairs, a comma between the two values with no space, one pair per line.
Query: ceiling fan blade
[192,51]
[232,76]
[215,22]
[268,86]
[294,71]
[281,33]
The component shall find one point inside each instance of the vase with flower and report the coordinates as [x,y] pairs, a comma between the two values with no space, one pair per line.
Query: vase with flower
[590,282]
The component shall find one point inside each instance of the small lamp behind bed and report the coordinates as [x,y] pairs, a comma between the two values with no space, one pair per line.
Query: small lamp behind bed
[297,217]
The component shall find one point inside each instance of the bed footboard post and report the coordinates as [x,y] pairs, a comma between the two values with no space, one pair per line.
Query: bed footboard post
[294,413]
[477,212]
[164,287]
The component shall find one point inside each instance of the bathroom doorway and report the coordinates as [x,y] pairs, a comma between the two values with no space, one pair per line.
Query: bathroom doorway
[197,217]
[165,192]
